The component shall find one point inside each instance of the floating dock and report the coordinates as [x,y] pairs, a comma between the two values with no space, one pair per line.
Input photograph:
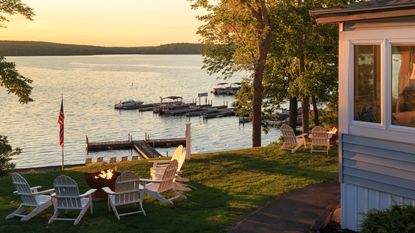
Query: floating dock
[219,113]
[145,148]
[178,108]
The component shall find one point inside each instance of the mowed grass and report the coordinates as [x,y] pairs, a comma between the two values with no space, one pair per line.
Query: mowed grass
[227,186]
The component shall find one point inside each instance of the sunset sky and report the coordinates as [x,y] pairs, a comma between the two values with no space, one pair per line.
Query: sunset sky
[106,22]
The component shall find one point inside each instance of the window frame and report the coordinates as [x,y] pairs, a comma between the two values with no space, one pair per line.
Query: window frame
[353,122]
[396,42]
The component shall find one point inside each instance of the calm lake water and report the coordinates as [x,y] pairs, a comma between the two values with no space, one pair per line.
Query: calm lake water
[91,85]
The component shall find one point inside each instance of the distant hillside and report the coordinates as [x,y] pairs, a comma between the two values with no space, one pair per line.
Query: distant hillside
[34,48]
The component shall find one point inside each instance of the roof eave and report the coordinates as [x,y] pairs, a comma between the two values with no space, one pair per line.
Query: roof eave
[338,15]
[377,13]
[325,11]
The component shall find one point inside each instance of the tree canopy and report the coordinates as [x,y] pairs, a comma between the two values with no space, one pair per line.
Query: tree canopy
[14,7]
[301,63]
[9,77]
[236,35]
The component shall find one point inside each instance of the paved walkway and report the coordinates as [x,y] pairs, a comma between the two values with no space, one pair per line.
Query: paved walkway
[303,210]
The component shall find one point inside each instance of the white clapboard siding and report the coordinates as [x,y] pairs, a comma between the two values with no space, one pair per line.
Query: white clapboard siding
[376,175]
[361,199]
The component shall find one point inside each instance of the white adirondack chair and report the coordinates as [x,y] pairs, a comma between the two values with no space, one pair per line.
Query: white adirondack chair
[157,170]
[292,142]
[160,165]
[155,188]
[320,140]
[127,191]
[30,197]
[67,198]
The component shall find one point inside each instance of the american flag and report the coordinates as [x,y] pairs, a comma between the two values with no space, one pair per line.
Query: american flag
[60,122]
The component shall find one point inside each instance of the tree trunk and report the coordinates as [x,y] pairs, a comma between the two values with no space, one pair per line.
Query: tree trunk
[315,110]
[263,25]
[305,113]
[305,101]
[292,120]
[257,106]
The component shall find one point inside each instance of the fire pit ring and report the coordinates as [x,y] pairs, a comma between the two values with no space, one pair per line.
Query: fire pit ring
[101,179]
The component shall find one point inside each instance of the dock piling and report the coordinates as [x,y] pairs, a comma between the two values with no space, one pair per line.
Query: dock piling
[188,140]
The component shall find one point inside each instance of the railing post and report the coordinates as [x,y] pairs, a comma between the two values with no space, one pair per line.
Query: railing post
[188,140]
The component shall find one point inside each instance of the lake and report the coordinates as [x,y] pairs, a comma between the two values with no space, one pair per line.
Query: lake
[91,85]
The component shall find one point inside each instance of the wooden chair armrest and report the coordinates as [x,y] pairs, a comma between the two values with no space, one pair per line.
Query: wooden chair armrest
[88,193]
[47,191]
[158,162]
[302,135]
[108,190]
[34,189]
[150,181]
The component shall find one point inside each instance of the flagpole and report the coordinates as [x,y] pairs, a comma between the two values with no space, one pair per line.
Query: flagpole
[62,159]
[61,121]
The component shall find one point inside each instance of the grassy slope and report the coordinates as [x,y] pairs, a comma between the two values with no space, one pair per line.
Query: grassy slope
[226,187]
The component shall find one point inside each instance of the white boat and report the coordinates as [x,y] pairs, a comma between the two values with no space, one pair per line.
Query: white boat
[128,104]
[226,89]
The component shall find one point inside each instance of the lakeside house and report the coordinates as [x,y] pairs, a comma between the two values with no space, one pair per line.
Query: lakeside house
[376,105]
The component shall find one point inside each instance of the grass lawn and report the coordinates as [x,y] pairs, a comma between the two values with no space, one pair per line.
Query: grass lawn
[227,186]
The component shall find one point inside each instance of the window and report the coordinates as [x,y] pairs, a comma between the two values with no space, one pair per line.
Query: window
[367,83]
[403,85]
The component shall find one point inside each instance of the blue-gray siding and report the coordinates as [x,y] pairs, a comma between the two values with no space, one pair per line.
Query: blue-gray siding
[376,175]
[380,165]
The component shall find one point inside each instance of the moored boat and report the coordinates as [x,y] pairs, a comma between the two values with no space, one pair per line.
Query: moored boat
[128,104]
[172,105]
[226,89]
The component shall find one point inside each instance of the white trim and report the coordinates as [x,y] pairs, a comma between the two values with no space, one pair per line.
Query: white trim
[386,39]
[383,83]
[379,34]
[387,92]
[402,129]
[353,122]
[371,125]
[397,128]
[344,79]
[402,41]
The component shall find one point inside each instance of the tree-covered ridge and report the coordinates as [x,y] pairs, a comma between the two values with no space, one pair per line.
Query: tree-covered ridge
[35,48]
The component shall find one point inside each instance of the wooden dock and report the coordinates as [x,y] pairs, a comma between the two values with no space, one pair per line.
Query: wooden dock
[145,148]
[109,145]
[166,143]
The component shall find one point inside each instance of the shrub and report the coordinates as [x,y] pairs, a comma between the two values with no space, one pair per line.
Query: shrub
[398,219]
[6,153]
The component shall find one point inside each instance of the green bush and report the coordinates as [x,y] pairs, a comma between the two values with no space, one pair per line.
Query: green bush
[6,153]
[398,219]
